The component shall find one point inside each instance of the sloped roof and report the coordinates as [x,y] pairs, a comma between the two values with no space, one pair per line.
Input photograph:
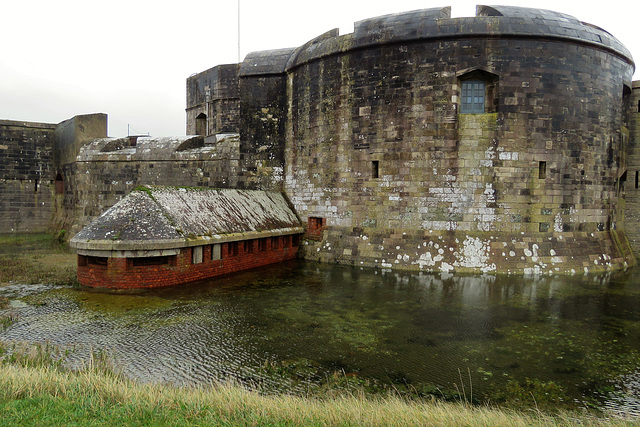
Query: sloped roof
[152,218]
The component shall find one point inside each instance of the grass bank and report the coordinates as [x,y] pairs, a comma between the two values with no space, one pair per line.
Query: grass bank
[41,395]
[36,258]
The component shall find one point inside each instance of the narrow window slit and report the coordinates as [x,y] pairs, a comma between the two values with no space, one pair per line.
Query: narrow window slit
[542,170]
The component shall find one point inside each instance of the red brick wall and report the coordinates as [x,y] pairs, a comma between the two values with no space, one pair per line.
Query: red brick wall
[122,274]
[315,227]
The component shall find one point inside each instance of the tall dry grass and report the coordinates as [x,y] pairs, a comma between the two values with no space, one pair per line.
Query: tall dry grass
[111,398]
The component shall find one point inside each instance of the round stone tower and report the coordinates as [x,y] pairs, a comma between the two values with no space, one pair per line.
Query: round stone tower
[482,144]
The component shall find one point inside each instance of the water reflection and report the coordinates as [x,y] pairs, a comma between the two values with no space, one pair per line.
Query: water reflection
[290,326]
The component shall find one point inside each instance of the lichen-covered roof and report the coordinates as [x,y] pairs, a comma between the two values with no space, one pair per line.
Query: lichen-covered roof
[171,217]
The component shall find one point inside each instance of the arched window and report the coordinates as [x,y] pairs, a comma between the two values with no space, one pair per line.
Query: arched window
[201,124]
[59,184]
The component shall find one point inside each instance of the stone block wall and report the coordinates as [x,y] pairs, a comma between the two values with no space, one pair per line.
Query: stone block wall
[377,145]
[631,188]
[27,184]
[213,101]
[108,169]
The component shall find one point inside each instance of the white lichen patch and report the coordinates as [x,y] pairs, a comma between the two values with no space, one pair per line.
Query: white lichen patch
[475,254]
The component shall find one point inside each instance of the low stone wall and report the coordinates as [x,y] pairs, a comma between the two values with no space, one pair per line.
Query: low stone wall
[471,252]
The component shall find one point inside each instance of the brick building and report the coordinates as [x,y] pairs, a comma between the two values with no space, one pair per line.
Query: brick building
[162,236]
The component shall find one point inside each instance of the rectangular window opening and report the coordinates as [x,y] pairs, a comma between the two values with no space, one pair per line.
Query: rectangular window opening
[473,97]
[216,252]
[97,260]
[275,242]
[248,246]
[262,244]
[542,170]
[375,169]
[152,260]
[233,248]
[621,182]
[197,255]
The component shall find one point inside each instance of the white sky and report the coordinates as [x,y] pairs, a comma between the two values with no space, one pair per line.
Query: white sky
[130,59]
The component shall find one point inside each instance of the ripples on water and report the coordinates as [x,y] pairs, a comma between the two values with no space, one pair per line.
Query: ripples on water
[290,325]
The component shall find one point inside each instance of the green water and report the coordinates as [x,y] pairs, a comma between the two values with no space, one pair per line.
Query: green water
[304,327]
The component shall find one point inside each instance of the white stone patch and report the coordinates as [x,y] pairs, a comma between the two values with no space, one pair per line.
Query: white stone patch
[557,223]
[507,155]
[534,258]
[474,254]
[533,271]
[445,267]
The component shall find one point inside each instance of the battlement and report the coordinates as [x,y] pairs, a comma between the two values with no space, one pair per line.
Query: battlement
[436,23]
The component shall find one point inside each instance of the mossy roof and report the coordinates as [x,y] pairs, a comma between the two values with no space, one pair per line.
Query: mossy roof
[170,217]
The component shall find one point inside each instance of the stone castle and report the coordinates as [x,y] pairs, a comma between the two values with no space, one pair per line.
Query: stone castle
[504,142]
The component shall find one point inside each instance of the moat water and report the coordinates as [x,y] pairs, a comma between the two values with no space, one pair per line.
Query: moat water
[296,326]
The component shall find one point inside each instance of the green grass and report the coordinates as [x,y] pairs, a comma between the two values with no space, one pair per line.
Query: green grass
[44,396]
[36,390]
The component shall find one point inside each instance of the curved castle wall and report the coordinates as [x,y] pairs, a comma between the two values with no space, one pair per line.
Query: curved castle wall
[380,149]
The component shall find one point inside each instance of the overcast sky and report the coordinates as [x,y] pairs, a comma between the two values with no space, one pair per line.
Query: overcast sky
[130,59]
